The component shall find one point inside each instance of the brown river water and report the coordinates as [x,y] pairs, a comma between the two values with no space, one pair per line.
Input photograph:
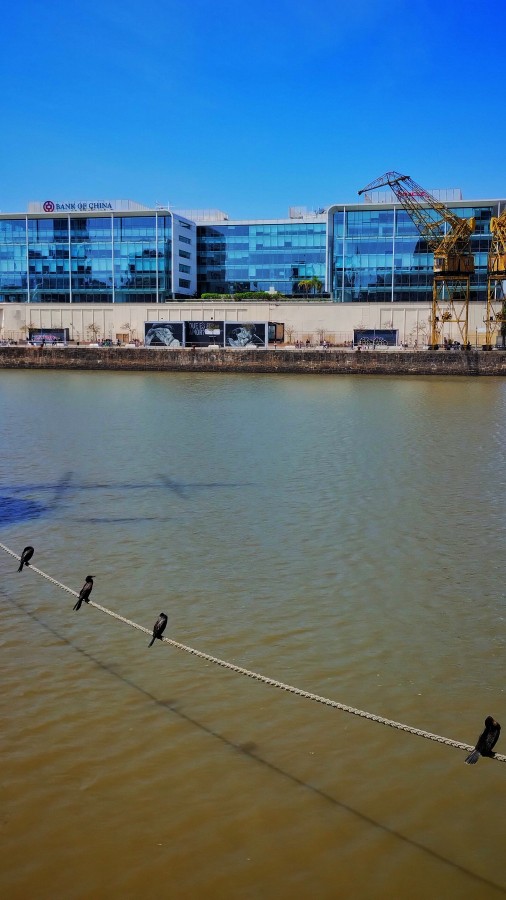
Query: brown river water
[343,534]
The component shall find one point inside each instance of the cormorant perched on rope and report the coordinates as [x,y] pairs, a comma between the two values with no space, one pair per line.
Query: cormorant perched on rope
[25,558]
[486,741]
[85,592]
[159,628]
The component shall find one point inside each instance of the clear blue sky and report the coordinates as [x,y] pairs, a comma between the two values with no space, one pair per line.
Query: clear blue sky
[249,107]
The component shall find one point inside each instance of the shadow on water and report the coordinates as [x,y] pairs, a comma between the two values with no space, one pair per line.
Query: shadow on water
[123,520]
[67,484]
[249,749]
[14,508]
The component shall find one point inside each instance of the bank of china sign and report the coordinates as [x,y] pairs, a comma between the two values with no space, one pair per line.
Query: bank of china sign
[50,206]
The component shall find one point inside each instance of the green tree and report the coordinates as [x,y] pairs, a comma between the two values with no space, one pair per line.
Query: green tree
[311,284]
[316,284]
[305,285]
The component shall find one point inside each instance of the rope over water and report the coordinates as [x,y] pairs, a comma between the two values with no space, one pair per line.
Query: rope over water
[326,701]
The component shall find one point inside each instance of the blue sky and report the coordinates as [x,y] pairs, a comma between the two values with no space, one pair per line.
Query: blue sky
[249,107]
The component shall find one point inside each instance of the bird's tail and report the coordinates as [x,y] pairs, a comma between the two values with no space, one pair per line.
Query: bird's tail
[77,605]
[473,757]
[152,641]
[21,567]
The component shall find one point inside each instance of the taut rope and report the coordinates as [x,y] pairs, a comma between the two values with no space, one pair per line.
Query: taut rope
[439,739]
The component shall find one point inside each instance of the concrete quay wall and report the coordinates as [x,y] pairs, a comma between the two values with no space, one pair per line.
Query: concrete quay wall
[303,320]
[317,362]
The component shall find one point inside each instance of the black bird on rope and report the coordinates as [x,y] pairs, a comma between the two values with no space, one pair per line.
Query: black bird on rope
[84,594]
[486,741]
[159,628]
[25,558]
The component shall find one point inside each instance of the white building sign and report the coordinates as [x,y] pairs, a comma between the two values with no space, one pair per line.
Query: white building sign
[80,206]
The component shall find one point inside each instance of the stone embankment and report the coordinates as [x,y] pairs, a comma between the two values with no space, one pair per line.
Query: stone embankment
[317,362]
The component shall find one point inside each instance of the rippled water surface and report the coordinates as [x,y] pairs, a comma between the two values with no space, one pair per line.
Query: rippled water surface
[342,534]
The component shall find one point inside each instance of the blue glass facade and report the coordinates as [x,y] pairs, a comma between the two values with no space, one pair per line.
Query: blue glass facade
[360,253]
[13,260]
[256,257]
[95,259]
[378,255]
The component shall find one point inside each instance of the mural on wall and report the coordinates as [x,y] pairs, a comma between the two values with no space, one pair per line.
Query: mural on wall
[376,337]
[48,335]
[201,334]
[164,334]
[250,334]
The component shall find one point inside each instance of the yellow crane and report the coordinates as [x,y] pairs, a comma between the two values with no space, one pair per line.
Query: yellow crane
[496,282]
[448,237]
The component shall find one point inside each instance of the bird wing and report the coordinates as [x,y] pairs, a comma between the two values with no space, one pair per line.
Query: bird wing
[492,738]
[487,740]
[160,625]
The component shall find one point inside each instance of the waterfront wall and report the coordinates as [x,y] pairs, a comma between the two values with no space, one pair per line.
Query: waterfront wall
[330,362]
[313,320]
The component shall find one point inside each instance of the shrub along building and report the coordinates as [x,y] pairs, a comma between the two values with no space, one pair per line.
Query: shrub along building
[102,268]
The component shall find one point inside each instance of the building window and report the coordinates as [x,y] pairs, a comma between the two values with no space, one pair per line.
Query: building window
[183,268]
[184,283]
[184,239]
[185,254]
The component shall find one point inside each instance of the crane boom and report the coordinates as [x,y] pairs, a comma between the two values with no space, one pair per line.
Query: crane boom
[448,237]
[429,219]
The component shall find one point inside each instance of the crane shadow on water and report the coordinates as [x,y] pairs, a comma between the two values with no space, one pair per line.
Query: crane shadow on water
[18,504]
[250,750]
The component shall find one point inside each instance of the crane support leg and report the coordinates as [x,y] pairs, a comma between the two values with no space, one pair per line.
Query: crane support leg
[450,304]
[495,318]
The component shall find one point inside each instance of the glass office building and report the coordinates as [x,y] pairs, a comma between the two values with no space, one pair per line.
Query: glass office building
[116,258]
[121,252]
[377,254]
[253,256]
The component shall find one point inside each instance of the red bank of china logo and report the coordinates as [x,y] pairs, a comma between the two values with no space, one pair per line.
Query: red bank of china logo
[48,206]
